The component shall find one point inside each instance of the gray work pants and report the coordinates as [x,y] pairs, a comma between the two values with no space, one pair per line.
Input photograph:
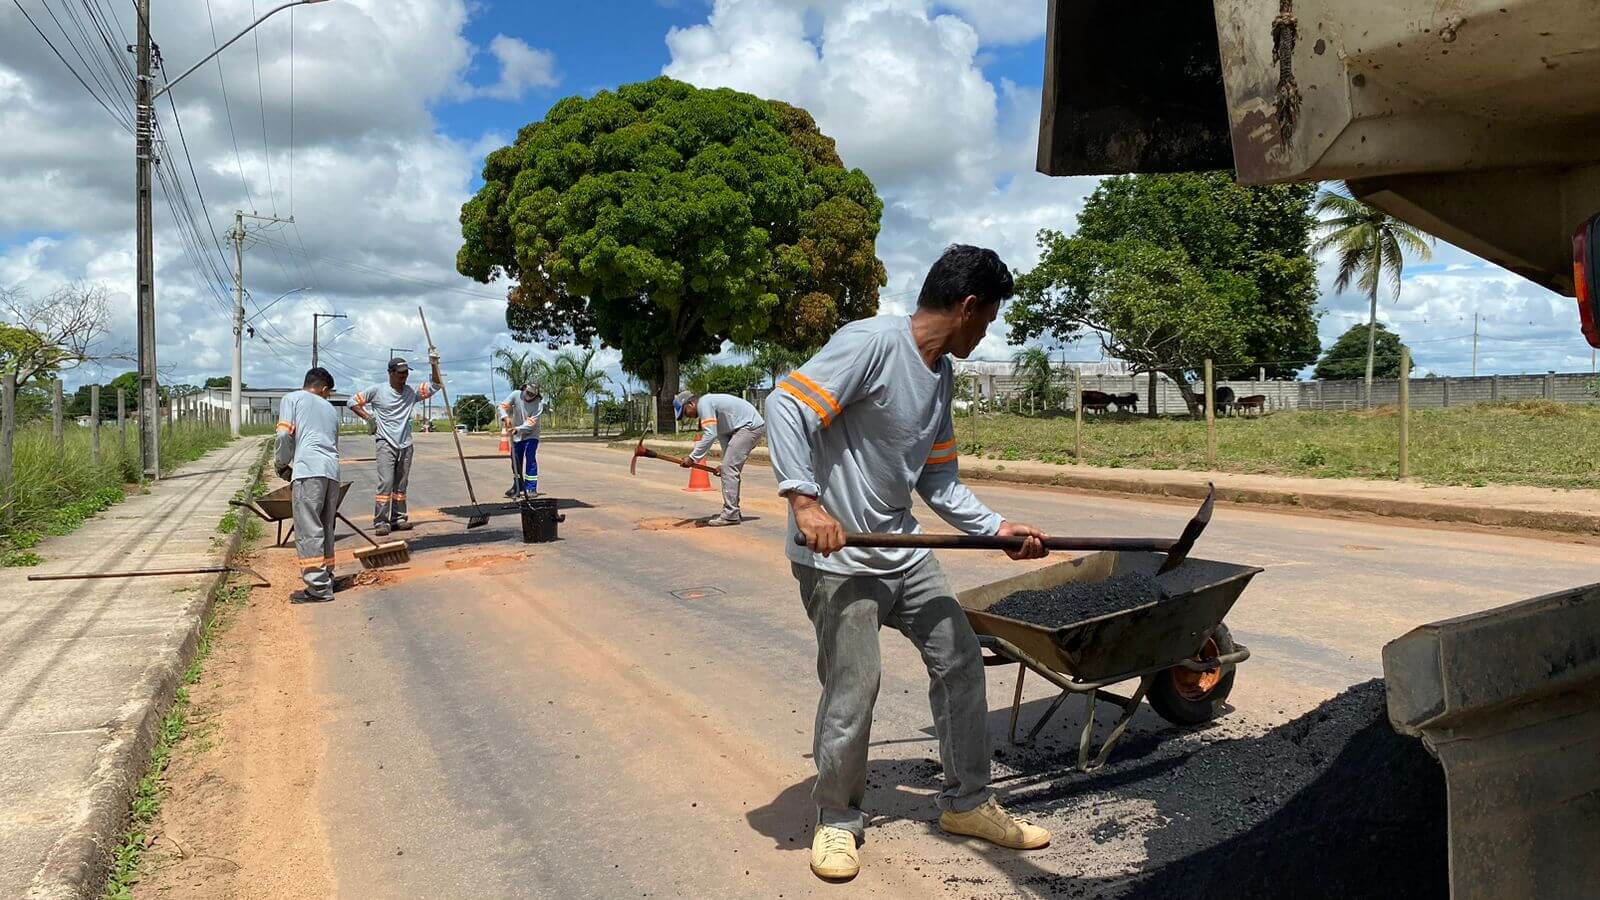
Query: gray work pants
[394,472]
[847,612]
[316,507]
[735,452]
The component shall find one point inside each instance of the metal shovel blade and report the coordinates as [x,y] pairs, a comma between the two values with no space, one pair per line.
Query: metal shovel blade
[1191,533]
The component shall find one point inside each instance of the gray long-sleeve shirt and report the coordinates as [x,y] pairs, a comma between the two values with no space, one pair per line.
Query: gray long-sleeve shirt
[308,436]
[392,409]
[524,415]
[860,426]
[720,416]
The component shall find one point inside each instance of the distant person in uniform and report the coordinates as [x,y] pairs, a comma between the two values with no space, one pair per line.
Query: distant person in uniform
[733,421]
[520,414]
[389,407]
[306,454]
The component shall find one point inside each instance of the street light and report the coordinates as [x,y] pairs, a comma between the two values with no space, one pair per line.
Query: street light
[315,325]
[145,95]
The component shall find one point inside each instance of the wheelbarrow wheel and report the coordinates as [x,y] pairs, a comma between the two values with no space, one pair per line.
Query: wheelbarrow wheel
[1183,697]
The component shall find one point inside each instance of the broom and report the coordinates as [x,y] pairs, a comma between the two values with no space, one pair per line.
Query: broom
[479,518]
[393,553]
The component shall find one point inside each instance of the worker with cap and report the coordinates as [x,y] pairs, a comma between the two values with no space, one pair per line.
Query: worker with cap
[389,407]
[733,421]
[856,433]
[306,454]
[520,413]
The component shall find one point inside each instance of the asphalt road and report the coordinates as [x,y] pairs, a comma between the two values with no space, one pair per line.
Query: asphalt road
[627,712]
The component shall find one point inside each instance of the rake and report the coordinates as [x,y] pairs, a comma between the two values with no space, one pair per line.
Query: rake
[479,518]
[392,553]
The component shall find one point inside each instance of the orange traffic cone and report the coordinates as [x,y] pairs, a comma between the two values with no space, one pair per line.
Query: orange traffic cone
[699,481]
[505,444]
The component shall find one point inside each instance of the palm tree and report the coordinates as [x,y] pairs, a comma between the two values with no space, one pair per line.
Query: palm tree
[1031,366]
[516,367]
[581,379]
[1372,246]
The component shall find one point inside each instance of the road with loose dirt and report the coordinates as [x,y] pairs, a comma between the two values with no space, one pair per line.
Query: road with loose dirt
[628,712]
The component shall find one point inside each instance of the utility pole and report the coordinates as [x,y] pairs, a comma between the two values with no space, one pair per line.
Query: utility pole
[144,112]
[144,126]
[237,235]
[315,324]
[1474,345]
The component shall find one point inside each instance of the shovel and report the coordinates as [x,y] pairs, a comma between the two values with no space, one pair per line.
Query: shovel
[647,453]
[1176,550]
[480,518]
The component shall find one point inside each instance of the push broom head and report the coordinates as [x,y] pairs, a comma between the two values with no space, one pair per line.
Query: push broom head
[392,553]
[478,519]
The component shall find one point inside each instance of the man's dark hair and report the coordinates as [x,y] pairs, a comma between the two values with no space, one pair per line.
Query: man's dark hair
[965,271]
[318,377]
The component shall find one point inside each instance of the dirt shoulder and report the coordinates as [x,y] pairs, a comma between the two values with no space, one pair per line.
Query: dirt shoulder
[241,817]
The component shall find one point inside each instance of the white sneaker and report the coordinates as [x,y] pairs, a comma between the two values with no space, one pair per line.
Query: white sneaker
[833,854]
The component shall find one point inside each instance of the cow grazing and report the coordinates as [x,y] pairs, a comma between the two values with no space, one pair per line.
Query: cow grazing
[1095,401]
[1126,402]
[1255,404]
[1223,397]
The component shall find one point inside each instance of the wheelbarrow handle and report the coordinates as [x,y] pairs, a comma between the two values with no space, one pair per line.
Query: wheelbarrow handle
[995,542]
[253,507]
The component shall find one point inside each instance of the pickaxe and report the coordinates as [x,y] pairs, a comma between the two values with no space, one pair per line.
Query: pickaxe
[1176,550]
[647,453]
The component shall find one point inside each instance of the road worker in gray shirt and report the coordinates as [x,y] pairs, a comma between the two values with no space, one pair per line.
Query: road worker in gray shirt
[733,421]
[390,406]
[306,454]
[855,433]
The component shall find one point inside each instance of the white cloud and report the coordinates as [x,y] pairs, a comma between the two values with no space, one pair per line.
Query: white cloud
[521,67]
[1003,21]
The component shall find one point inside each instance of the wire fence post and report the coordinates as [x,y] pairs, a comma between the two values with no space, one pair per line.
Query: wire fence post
[8,433]
[1405,412]
[57,426]
[94,422]
[122,424]
[1077,415]
[1211,418]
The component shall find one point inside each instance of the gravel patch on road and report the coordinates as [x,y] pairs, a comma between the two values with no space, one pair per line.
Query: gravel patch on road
[1333,804]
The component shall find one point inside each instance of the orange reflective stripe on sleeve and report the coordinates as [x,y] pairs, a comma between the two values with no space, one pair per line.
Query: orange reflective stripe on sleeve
[823,395]
[287,426]
[708,421]
[938,460]
[799,394]
[382,497]
[944,445]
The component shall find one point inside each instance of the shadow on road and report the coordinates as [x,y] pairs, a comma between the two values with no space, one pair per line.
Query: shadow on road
[498,507]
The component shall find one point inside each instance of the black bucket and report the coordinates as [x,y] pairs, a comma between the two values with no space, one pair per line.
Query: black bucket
[539,518]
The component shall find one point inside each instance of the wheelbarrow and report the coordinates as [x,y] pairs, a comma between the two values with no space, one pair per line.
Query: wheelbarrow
[277,507]
[1177,649]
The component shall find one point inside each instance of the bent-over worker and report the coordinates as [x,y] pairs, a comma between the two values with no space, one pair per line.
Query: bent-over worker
[520,414]
[307,455]
[853,432]
[390,408]
[733,421]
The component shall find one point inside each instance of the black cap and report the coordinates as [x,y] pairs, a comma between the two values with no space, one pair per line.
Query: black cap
[399,365]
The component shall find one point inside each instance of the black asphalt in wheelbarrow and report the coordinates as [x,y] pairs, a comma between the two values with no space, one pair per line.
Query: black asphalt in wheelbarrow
[1178,648]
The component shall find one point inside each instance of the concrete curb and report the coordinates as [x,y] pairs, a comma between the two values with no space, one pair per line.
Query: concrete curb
[77,865]
[1108,482]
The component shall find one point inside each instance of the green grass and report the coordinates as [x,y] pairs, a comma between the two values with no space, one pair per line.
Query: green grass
[128,857]
[1529,443]
[53,491]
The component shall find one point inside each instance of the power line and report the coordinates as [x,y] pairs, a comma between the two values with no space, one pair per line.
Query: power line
[227,109]
[261,88]
[121,120]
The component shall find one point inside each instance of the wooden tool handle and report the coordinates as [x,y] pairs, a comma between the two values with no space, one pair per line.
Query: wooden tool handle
[678,460]
[995,542]
[448,415]
[358,530]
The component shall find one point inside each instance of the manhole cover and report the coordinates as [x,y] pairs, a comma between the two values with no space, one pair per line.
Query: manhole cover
[697,593]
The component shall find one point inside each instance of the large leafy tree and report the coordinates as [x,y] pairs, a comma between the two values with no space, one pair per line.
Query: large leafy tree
[665,219]
[1170,270]
[1371,246]
[1348,358]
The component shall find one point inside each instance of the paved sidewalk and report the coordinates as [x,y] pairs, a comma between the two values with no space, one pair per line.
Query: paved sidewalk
[87,669]
[1542,509]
